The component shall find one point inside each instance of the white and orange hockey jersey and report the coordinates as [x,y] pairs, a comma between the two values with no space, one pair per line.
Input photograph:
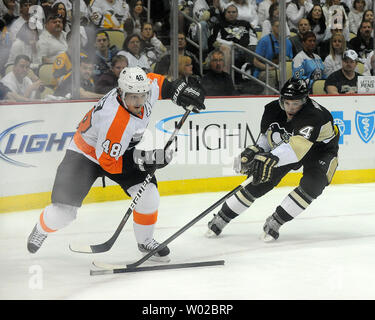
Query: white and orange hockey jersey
[109,129]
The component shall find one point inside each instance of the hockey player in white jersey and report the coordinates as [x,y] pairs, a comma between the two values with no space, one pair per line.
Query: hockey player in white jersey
[104,145]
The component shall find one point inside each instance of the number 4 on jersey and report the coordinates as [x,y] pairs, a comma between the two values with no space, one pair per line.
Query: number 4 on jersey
[306,132]
[113,150]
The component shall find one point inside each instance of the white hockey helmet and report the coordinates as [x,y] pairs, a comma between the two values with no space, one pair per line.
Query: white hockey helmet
[133,80]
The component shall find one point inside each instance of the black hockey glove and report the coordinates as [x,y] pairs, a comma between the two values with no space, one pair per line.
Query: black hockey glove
[152,159]
[242,163]
[262,167]
[183,95]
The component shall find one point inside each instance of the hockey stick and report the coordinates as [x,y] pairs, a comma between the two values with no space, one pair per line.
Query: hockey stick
[116,269]
[103,247]
[188,225]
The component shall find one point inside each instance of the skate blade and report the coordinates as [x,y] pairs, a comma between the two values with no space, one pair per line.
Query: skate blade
[210,234]
[157,259]
[267,238]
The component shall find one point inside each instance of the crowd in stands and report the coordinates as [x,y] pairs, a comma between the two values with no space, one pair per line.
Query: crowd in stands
[329,40]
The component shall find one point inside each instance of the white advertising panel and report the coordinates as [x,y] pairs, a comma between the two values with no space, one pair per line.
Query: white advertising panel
[33,138]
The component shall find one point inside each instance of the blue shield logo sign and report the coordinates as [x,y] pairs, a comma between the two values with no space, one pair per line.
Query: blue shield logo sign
[365,125]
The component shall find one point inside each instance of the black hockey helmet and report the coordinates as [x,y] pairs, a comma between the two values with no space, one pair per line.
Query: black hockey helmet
[294,89]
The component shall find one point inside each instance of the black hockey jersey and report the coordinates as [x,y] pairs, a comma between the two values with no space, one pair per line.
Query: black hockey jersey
[237,31]
[311,130]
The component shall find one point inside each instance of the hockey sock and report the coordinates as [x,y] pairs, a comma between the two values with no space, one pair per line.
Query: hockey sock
[236,204]
[144,225]
[294,203]
[145,212]
[56,216]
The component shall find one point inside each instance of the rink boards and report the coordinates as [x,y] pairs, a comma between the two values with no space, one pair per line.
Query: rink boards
[33,139]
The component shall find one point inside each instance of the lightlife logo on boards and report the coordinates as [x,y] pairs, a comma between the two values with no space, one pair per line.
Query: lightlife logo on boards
[14,144]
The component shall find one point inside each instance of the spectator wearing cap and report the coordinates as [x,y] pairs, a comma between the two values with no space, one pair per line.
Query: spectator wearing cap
[52,40]
[344,81]
[87,89]
[108,80]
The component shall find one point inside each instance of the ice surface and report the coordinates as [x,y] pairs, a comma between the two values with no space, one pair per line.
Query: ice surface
[325,253]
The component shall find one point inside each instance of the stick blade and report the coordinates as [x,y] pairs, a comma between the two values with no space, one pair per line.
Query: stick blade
[109,270]
[86,248]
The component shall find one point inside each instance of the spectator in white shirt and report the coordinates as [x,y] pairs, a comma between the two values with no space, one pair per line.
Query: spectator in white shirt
[52,40]
[22,19]
[26,43]
[296,10]
[355,15]
[133,51]
[109,14]
[273,13]
[369,68]
[247,12]
[333,61]
[18,82]
[263,9]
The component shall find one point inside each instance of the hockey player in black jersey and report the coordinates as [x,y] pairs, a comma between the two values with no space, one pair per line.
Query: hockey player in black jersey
[295,131]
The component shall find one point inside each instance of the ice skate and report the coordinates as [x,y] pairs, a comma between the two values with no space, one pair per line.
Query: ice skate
[216,225]
[35,240]
[159,256]
[271,229]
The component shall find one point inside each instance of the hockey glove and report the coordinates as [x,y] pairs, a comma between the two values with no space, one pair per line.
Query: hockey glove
[183,95]
[262,167]
[242,163]
[152,159]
